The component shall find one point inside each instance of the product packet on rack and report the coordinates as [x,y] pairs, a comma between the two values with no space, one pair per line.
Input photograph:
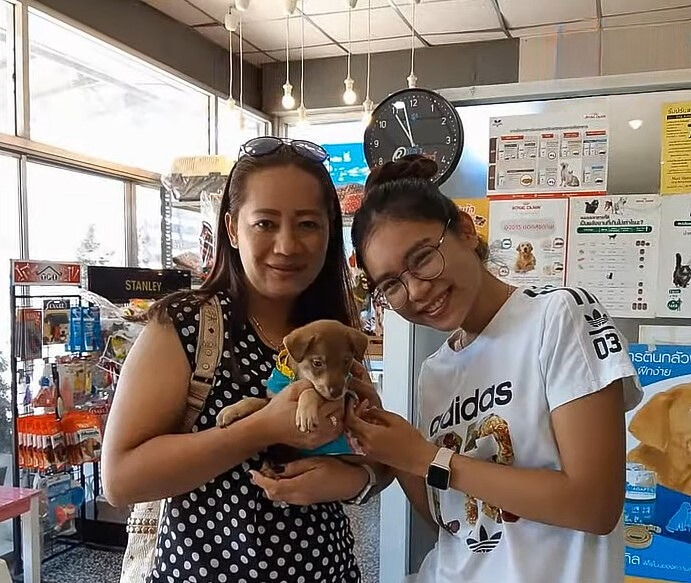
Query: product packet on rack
[657,510]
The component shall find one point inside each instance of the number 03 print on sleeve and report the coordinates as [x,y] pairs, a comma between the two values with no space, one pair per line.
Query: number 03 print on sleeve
[604,335]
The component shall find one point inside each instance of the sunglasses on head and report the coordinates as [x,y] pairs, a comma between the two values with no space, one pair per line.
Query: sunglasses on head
[267,145]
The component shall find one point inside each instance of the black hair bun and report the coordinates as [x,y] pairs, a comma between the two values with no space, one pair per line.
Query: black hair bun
[413,166]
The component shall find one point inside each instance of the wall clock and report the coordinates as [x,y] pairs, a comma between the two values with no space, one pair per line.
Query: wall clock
[415,121]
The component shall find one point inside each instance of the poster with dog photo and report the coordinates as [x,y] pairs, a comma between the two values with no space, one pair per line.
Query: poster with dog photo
[657,507]
[548,153]
[527,240]
[613,251]
[674,278]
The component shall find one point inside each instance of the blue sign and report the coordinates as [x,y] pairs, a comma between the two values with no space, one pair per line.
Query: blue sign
[657,509]
[347,163]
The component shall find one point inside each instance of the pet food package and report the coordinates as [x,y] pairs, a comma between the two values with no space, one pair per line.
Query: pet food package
[657,509]
[674,276]
[83,436]
[85,329]
[29,333]
[56,320]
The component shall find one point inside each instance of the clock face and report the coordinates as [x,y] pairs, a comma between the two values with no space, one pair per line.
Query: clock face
[415,121]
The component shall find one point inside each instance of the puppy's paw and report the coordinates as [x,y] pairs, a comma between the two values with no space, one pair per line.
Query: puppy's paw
[228,415]
[306,420]
[268,470]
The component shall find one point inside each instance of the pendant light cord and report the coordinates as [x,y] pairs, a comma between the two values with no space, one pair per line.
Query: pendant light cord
[302,55]
[230,51]
[287,48]
[241,75]
[350,37]
[369,46]
[412,43]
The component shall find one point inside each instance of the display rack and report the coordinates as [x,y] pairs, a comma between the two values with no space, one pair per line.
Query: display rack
[35,285]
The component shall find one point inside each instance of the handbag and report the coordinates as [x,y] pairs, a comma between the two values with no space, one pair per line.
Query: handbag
[145,518]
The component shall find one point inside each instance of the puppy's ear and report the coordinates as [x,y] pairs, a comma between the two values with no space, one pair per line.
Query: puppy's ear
[651,424]
[297,344]
[359,342]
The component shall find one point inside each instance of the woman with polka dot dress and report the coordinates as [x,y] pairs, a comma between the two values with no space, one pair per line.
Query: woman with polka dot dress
[279,264]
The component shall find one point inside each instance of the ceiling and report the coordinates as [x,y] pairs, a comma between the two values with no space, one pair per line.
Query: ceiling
[437,22]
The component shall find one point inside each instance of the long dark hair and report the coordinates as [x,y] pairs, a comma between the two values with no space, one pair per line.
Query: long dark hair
[329,296]
[403,190]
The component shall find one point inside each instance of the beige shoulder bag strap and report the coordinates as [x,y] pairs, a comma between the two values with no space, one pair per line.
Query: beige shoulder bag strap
[142,525]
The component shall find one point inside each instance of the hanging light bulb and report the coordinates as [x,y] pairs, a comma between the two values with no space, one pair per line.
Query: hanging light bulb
[302,110]
[303,120]
[367,109]
[349,95]
[231,24]
[242,5]
[412,78]
[368,104]
[288,101]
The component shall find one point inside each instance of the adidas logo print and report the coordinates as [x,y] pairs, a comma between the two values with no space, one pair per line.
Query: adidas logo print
[486,544]
[598,321]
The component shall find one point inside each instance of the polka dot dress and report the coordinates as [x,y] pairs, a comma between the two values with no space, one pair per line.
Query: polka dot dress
[227,530]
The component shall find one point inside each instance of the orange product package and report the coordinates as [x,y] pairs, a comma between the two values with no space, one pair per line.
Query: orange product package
[83,436]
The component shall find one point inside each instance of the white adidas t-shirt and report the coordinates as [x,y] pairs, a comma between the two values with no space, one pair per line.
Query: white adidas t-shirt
[493,400]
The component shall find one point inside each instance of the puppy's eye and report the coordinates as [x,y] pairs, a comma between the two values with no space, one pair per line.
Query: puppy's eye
[317,363]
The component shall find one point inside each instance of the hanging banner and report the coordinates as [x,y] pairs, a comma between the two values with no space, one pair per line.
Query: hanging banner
[675,171]
[348,170]
[674,285]
[122,284]
[45,273]
[478,209]
[657,508]
[548,153]
[613,251]
[527,241]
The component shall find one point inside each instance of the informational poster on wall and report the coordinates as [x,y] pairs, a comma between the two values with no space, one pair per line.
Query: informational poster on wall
[548,153]
[657,508]
[674,285]
[613,251]
[675,172]
[478,209]
[527,240]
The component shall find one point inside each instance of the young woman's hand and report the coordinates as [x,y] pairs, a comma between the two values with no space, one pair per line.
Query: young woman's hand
[389,439]
[278,419]
[361,384]
[314,481]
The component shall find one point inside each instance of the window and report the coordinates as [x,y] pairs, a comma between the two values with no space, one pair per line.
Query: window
[148,202]
[7,124]
[92,98]
[75,216]
[230,136]
[9,249]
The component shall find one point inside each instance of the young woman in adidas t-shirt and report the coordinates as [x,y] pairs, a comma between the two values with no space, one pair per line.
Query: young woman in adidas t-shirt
[527,393]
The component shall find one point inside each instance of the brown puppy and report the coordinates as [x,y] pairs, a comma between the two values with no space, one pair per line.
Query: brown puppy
[663,426]
[525,261]
[321,352]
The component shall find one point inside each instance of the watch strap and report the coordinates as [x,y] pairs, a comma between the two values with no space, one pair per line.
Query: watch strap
[443,458]
[363,496]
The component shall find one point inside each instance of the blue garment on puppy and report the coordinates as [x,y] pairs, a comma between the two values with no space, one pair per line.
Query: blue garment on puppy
[339,446]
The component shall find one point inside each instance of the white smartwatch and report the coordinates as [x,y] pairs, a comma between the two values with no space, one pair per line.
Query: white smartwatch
[439,471]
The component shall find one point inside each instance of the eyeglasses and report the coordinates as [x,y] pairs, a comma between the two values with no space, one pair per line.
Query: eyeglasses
[267,145]
[426,262]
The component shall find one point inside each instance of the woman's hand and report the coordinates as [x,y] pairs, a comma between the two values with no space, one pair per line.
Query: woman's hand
[278,418]
[361,384]
[314,481]
[389,439]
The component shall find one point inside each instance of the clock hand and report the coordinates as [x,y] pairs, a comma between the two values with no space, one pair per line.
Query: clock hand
[407,120]
[405,131]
